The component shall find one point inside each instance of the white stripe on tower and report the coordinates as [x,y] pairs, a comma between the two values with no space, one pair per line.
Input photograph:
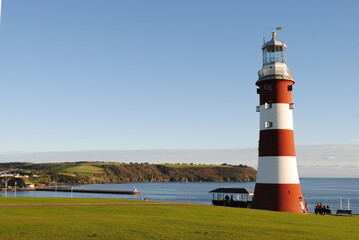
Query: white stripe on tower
[284,167]
[279,114]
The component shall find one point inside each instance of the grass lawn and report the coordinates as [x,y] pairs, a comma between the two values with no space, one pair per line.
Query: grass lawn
[163,222]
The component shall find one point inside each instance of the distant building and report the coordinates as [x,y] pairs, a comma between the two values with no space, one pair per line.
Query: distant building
[6,174]
[29,185]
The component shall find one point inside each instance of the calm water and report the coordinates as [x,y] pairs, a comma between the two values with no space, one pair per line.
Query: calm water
[325,190]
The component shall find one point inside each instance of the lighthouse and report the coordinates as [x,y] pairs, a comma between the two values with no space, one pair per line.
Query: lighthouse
[277,186]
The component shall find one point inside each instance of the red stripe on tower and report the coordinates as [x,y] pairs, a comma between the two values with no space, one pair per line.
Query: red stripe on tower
[277,186]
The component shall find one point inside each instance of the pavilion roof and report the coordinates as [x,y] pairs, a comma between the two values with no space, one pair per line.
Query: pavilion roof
[233,190]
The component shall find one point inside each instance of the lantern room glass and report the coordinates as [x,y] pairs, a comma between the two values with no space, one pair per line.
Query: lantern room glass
[273,54]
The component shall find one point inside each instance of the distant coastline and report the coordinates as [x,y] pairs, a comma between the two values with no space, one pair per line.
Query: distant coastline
[30,175]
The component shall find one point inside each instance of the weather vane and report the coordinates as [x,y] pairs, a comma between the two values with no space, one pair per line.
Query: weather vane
[273,31]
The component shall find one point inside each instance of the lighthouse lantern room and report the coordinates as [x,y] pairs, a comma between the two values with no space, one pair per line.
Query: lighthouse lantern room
[277,186]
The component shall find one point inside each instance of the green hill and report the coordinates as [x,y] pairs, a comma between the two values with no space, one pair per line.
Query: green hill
[104,172]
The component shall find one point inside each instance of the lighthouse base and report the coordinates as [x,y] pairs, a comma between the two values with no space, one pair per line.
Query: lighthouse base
[279,197]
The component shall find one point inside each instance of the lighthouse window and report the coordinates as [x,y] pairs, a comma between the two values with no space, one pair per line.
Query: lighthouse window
[268,124]
[268,87]
[274,54]
[270,49]
[267,105]
[290,87]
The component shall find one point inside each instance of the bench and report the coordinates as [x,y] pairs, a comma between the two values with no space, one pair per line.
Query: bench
[344,212]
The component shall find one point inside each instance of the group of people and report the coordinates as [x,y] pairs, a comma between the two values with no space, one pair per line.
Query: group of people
[322,209]
[229,201]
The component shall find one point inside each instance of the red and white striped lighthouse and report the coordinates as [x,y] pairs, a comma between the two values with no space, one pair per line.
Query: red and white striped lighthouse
[277,186]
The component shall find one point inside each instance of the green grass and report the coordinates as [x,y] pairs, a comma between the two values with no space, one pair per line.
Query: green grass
[85,170]
[67,174]
[82,169]
[64,166]
[163,222]
[193,166]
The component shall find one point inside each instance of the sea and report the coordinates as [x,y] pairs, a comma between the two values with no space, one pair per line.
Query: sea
[338,193]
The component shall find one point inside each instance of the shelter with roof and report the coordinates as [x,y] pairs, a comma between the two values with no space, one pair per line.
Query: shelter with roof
[232,197]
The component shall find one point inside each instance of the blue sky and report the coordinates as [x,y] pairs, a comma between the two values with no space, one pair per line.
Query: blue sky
[127,75]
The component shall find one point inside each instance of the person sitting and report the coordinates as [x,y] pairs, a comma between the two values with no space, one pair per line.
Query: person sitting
[322,209]
[316,210]
[227,200]
[327,210]
[231,201]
